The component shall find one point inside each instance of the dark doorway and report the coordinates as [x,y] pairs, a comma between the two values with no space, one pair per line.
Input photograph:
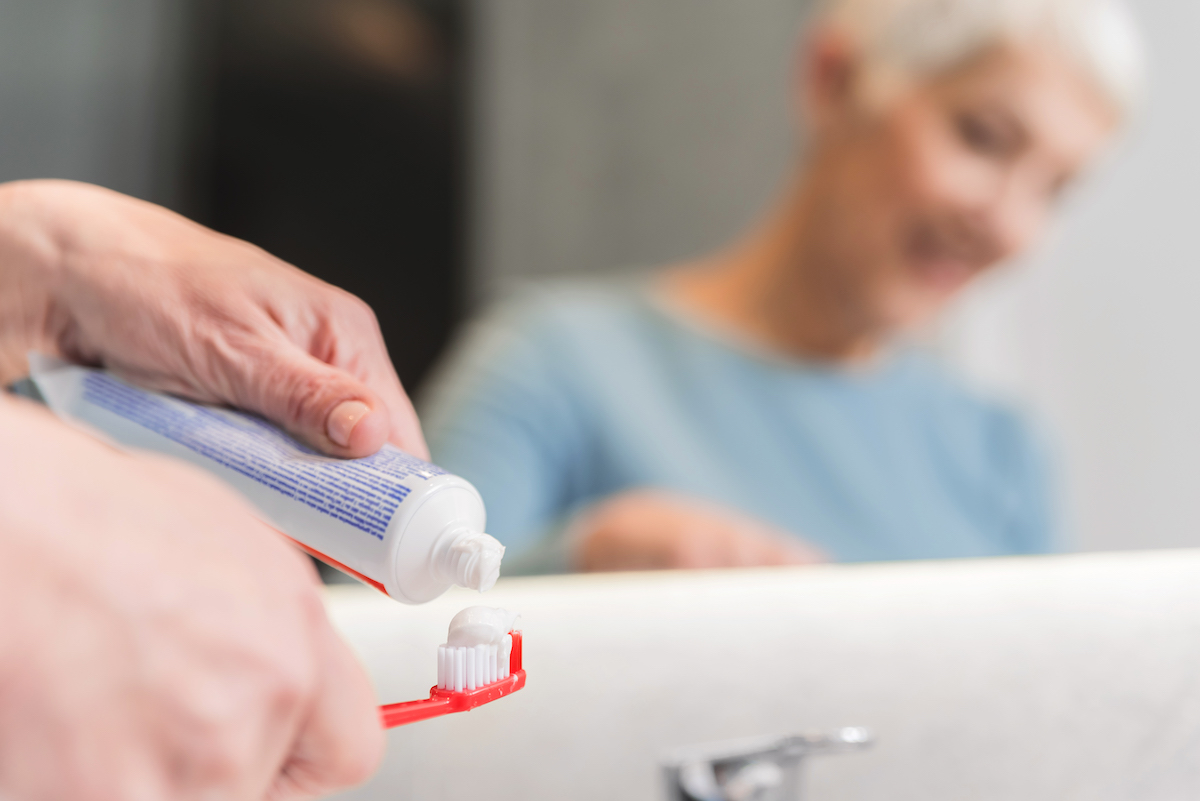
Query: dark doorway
[329,132]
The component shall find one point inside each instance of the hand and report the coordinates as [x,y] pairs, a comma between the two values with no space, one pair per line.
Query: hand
[159,644]
[651,530]
[99,278]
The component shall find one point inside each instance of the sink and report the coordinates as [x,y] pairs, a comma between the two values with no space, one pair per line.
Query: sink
[1034,678]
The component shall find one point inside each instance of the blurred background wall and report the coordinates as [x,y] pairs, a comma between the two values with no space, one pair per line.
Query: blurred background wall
[89,89]
[329,132]
[430,155]
[613,134]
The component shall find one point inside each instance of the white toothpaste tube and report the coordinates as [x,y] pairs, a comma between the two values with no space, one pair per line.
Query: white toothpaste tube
[396,522]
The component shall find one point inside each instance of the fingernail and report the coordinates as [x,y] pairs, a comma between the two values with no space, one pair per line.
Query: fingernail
[343,419]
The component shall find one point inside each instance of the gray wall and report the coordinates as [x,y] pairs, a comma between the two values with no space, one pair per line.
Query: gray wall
[614,133]
[88,90]
[1100,333]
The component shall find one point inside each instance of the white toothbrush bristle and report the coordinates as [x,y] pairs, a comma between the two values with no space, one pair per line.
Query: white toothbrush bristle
[464,668]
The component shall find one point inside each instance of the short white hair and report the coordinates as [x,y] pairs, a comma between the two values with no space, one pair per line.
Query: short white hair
[907,38]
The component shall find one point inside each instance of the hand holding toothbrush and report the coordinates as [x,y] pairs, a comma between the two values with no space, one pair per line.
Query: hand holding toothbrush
[157,641]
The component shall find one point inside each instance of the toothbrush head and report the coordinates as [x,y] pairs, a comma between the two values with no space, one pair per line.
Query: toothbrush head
[468,676]
[467,668]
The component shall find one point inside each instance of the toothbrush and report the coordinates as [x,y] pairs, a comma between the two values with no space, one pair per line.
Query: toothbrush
[468,676]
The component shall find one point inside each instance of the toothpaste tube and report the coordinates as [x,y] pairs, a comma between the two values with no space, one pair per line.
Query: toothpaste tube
[391,520]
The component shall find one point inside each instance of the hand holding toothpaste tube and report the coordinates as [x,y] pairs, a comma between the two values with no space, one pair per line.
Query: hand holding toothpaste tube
[99,278]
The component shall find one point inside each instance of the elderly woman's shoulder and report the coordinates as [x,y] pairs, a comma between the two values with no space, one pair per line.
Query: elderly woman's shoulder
[562,316]
[538,325]
[967,407]
[570,302]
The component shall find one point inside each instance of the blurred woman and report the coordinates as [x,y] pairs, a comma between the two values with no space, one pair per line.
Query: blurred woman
[760,406]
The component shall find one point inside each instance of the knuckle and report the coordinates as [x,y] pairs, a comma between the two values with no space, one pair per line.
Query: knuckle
[217,756]
[289,668]
[307,395]
[291,683]
[359,310]
[350,314]
[224,764]
[276,673]
[308,601]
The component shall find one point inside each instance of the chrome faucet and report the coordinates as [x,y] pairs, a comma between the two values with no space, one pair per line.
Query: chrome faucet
[760,769]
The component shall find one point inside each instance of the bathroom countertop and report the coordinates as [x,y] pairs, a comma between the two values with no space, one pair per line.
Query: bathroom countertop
[1037,678]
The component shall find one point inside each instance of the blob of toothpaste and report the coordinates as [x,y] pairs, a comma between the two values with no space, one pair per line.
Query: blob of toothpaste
[480,625]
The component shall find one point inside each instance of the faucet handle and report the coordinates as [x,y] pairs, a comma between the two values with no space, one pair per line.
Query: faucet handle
[847,738]
[760,769]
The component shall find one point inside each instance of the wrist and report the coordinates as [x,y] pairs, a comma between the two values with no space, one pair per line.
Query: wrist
[30,274]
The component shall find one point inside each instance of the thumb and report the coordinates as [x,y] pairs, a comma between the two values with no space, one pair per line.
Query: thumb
[318,404]
[342,742]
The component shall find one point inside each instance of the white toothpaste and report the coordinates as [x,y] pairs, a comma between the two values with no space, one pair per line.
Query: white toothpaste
[478,649]
[392,520]
[480,625]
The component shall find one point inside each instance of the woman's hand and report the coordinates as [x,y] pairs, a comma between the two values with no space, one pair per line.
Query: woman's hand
[157,641]
[100,278]
[653,530]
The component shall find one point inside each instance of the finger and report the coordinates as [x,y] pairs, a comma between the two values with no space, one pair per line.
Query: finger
[751,547]
[360,351]
[700,547]
[341,743]
[405,431]
[321,405]
[748,550]
[801,553]
[777,550]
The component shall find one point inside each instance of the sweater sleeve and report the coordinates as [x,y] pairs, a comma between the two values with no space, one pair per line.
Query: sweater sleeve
[500,413]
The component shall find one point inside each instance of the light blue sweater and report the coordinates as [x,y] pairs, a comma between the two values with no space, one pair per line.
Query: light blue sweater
[574,393]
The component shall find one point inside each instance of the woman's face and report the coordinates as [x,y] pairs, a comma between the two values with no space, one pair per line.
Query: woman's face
[945,180]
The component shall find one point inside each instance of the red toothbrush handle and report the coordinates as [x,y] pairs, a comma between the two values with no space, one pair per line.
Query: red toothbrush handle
[443,702]
[394,715]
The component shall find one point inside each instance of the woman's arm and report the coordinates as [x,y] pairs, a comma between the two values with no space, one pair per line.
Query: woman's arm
[509,413]
[498,413]
[654,530]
